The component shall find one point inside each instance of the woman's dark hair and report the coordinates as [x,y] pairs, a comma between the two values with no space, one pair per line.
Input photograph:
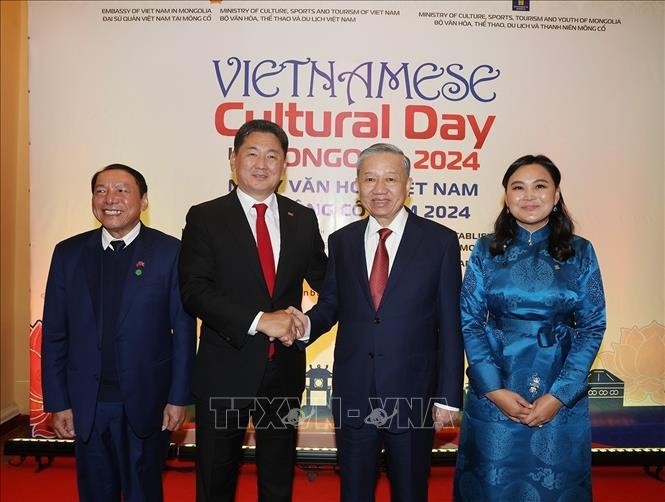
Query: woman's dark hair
[560,223]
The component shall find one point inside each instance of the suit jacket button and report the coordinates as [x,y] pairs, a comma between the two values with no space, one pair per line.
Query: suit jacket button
[377,320]
[371,355]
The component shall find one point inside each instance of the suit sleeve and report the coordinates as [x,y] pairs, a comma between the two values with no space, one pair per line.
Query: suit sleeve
[323,315]
[55,338]
[184,344]
[450,344]
[200,296]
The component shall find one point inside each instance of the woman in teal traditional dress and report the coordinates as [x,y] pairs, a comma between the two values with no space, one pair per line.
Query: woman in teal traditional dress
[533,314]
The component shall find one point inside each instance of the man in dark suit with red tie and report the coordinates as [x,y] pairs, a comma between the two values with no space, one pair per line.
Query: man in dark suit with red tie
[243,261]
[393,283]
[117,347]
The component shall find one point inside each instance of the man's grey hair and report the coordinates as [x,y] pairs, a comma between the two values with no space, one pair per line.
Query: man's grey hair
[383,148]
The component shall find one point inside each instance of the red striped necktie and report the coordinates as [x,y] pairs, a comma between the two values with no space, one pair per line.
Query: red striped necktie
[378,277]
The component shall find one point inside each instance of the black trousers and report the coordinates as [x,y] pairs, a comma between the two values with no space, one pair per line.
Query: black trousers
[220,431]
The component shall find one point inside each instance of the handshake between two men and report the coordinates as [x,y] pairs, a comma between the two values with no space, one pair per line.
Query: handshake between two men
[285,326]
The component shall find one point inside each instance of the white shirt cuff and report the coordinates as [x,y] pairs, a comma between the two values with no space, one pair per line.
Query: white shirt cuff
[446,407]
[308,331]
[252,327]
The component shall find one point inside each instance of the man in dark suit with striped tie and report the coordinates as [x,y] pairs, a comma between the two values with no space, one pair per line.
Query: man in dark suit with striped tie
[393,283]
[244,258]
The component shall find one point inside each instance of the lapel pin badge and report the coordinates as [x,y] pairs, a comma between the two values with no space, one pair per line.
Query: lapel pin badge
[139,268]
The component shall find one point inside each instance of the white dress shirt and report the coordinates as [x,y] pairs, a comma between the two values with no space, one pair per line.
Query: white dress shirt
[272,222]
[128,239]
[392,241]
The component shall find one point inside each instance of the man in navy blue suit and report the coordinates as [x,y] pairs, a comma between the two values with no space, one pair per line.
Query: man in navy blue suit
[393,283]
[117,347]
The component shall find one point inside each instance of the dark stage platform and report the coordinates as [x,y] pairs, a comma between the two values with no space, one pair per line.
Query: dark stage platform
[45,450]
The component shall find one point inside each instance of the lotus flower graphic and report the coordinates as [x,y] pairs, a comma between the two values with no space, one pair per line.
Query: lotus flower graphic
[639,360]
[40,421]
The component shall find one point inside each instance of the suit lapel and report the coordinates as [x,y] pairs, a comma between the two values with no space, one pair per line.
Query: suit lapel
[92,262]
[141,250]
[288,234]
[406,253]
[359,259]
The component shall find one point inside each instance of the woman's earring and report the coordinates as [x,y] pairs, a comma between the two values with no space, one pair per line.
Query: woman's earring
[555,209]
[507,210]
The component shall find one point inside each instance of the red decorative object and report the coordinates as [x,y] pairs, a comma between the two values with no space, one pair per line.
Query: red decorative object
[40,421]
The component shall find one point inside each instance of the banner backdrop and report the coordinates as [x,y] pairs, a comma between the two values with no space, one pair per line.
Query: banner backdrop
[464,88]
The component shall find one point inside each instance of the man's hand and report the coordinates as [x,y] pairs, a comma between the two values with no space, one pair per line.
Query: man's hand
[444,418]
[544,410]
[281,326]
[63,424]
[174,416]
[511,404]
[300,317]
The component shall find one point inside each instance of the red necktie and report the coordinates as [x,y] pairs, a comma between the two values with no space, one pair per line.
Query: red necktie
[266,257]
[378,277]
